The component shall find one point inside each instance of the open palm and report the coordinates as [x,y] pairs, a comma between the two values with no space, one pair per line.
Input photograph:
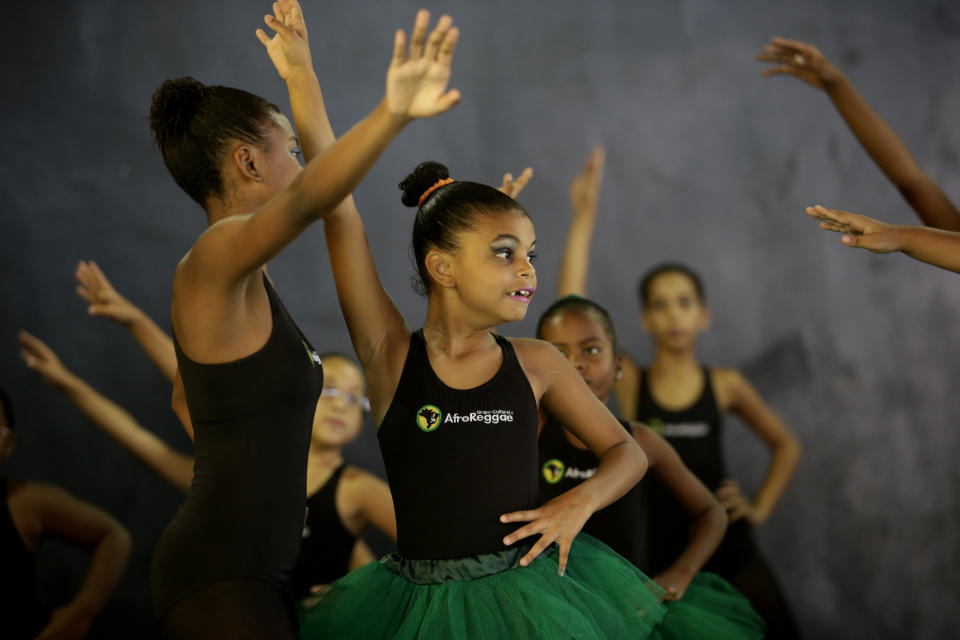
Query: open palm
[417,79]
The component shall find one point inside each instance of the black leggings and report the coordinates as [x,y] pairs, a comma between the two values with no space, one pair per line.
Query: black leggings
[233,609]
[738,561]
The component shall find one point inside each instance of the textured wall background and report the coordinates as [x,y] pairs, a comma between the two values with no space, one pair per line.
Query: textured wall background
[707,163]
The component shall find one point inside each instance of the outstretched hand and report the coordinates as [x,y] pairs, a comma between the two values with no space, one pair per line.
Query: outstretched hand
[799,59]
[512,187]
[103,298]
[585,188]
[858,231]
[559,520]
[41,359]
[289,48]
[417,78]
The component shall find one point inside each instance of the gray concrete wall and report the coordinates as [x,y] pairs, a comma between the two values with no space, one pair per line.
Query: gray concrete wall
[707,163]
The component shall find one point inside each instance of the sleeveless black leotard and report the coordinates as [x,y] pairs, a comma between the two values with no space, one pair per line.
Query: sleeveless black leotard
[457,459]
[22,613]
[326,544]
[696,434]
[563,466]
[229,552]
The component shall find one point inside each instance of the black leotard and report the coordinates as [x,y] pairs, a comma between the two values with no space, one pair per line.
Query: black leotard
[326,544]
[563,466]
[22,613]
[244,511]
[459,459]
[695,432]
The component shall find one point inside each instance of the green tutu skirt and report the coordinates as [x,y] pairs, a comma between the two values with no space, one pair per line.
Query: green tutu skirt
[710,609]
[601,596]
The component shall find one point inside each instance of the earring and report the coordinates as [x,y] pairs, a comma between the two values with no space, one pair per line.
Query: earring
[618,375]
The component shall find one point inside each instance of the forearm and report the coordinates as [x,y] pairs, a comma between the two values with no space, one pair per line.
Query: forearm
[575,264]
[620,468]
[331,177]
[933,246]
[107,564]
[783,464]
[156,344]
[706,533]
[172,466]
[309,113]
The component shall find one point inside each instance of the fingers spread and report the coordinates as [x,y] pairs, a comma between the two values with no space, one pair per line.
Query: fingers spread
[419,34]
[536,550]
[447,47]
[437,37]
[448,100]
[399,48]
[263,37]
[564,556]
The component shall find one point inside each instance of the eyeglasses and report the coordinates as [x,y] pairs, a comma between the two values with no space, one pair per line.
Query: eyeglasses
[349,398]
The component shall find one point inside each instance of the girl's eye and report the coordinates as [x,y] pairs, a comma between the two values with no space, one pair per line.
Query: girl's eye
[296,153]
[505,253]
[592,351]
[532,256]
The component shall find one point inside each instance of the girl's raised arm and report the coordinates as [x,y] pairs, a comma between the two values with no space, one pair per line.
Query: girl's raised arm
[379,334]
[933,246]
[584,193]
[106,302]
[164,461]
[416,88]
[806,62]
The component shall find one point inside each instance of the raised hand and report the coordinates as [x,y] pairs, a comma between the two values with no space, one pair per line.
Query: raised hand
[417,79]
[513,187]
[858,231]
[289,48]
[41,359]
[798,59]
[585,188]
[559,520]
[103,298]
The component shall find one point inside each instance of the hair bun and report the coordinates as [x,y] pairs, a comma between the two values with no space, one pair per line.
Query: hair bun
[423,177]
[173,107]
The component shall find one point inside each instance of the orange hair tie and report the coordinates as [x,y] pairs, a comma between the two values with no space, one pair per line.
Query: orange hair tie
[437,185]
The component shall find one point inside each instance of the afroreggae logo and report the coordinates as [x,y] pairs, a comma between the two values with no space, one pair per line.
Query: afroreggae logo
[311,354]
[553,471]
[656,424]
[428,417]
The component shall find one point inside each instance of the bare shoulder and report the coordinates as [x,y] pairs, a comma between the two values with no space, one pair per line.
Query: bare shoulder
[355,476]
[728,384]
[540,360]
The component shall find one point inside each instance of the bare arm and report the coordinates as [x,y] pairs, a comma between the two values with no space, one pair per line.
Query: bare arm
[361,555]
[622,462]
[743,399]
[806,62]
[584,193]
[60,515]
[236,246]
[708,515]
[933,246]
[171,465]
[106,302]
[368,500]
[626,386]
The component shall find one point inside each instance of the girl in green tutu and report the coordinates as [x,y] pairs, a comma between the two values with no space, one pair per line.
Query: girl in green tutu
[457,412]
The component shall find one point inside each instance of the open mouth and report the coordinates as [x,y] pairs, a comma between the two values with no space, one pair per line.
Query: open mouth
[524,294]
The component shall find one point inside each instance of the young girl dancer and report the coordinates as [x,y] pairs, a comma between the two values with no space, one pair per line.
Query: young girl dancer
[249,377]
[806,62]
[699,604]
[31,512]
[457,407]
[684,402]
[341,500]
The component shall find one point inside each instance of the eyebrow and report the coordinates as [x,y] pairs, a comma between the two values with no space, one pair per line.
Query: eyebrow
[510,236]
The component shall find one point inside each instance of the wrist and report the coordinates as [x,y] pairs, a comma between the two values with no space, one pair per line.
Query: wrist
[302,77]
[833,79]
[396,119]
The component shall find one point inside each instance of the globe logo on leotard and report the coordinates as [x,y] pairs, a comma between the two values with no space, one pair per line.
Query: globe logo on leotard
[429,417]
[553,471]
[656,424]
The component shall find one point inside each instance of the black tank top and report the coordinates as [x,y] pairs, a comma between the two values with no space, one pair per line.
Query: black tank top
[563,466]
[459,459]
[695,433]
[244,511]
[22,614]
[326,545]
